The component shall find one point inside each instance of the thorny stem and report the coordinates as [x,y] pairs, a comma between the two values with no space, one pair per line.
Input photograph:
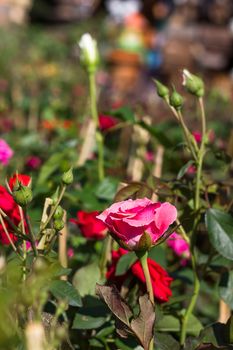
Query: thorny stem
[98,135]
[106,250]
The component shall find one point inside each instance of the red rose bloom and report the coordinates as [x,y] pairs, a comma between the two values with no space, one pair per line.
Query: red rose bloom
[10,208]
[106,122]
[89,225]
[160,279]
[23,179]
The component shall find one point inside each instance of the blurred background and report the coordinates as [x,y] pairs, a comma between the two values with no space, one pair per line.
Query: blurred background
[42,83]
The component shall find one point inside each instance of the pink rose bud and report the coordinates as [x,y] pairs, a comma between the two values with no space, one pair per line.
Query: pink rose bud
[6,152]
[197,136]
[138,224]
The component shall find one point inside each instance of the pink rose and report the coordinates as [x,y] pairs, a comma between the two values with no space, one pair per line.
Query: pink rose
[5,152]
[180,247]
[130,219]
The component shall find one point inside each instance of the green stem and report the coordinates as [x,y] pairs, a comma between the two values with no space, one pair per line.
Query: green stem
[196,289]
[98,135]
[52,212]
[143,259]
[106,251]
[192,303]
[144,262]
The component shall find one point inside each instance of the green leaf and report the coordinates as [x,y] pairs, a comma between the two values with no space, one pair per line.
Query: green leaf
[170,323]
[124,113]
[226,288]
[106,189]
[184,169]
[86,278]
[125,262]
[166,342]
[87,322]
[64,290]
[220,229]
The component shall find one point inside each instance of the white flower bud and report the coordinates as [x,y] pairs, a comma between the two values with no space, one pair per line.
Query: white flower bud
[89,51]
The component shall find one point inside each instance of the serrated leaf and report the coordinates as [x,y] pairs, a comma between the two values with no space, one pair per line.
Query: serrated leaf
[64,290]
[166,342]
[220,228]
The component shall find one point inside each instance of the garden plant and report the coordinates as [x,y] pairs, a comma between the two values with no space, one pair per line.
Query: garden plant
[91,259]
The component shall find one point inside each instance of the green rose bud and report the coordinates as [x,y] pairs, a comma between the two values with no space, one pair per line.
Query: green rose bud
[162,90]
[193,84]
[176,100]
[58,213]
[68,177]
[22,195]
[58,225]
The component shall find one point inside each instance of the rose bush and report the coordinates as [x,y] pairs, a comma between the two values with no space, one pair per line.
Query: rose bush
[129,220]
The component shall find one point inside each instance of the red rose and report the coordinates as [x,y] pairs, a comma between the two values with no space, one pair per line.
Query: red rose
[23,179]
[106,122]
[9,207]
[89,225]
[160,279]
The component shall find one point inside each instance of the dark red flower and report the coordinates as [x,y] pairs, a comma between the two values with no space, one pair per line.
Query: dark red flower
[106,122]
[23,179]
[10,208]
[33,162]
[160,279]
[89,225]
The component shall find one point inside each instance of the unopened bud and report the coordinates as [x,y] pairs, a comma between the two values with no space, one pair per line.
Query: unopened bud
[67,177]
[22,195]
[58,213]
[89,55]
[193,84]
[58,225]
[176,100]
[162,90]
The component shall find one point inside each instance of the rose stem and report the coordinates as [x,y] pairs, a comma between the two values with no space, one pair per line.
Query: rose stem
[196,288]
[94,113]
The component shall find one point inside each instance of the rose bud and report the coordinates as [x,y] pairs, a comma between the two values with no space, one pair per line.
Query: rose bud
[22,195]
[138,224]
[89,55]
[162,90]
[67,177]
[193,84]
[58,213]
[58,225]
[176,100]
